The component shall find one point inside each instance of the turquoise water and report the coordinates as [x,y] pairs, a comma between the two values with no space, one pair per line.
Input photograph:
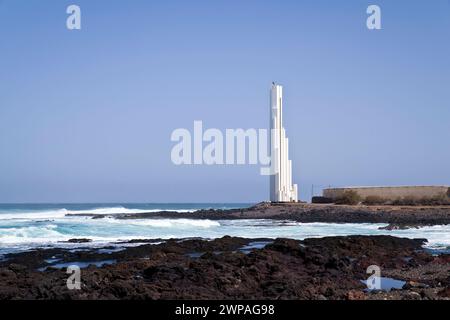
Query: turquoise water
[27,226]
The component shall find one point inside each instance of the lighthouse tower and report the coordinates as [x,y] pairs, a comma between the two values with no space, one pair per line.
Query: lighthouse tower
[281,187]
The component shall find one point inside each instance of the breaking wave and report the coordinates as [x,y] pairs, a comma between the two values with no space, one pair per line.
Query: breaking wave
[61,213]
[27,228]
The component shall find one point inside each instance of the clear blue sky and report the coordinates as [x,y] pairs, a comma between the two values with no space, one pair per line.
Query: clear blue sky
[86,116]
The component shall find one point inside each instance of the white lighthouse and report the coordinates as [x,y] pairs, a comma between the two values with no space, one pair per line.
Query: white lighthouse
[281,187]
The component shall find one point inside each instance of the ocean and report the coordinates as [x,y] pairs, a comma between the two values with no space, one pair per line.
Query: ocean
[29,226]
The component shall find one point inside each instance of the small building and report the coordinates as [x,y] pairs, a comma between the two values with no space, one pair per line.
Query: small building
[390,193]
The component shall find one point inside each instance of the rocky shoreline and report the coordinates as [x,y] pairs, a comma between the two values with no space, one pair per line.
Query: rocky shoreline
[398,217]
[231,268]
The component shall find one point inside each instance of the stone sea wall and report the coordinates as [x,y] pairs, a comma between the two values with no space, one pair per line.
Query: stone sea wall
[389,193]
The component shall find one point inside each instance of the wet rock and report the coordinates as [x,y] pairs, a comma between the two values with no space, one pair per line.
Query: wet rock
[287,246]
[396,216]
[356,295]
[329,268]
[82,240]
[444,293]
[412,295]
[17,268]
[394,226]
[413,284]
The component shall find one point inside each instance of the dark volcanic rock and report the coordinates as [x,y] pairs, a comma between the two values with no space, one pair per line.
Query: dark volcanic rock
[78,240]
[396,216]
[326,268]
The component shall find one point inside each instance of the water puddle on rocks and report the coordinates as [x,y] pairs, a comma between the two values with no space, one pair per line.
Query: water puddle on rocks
[80,264]
[109,250]
[195,255]
[387,284]
[407,259]
[438,251]
[245,249]
[254,245]
[52,260]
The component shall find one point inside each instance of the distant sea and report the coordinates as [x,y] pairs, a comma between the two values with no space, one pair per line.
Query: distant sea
[28,226]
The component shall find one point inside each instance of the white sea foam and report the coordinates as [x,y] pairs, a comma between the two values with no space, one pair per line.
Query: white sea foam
[167,223]
[34,215]
[122,210]
[36,231]
[32,234]
[101,231]
[61,213]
